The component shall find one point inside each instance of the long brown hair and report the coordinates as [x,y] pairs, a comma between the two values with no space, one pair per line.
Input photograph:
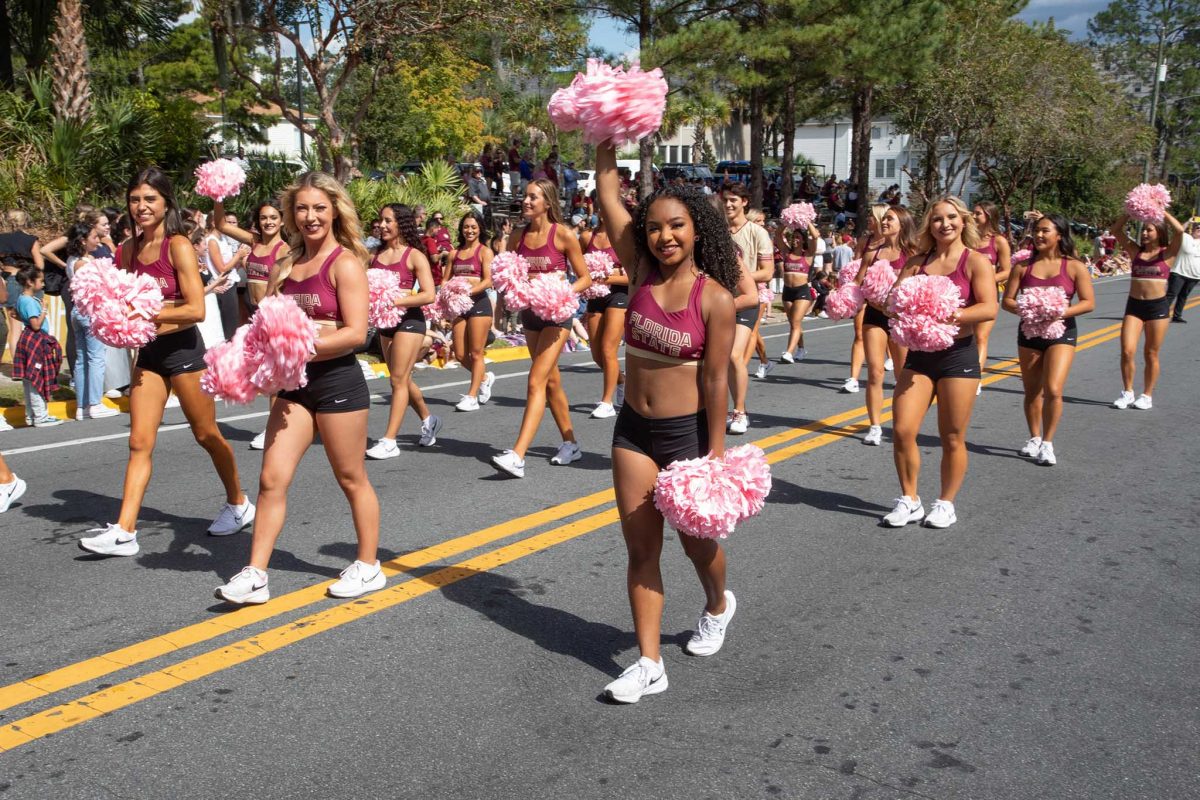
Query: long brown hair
[550,192]
[346,227]
[906,240]
[993,227]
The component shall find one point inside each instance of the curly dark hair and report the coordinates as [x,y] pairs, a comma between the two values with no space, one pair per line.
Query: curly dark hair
[715,254]
[406,225]
[77,238]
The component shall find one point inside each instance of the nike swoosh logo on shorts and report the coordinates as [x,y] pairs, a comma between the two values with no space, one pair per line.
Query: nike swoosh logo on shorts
[185,366]
[344,399]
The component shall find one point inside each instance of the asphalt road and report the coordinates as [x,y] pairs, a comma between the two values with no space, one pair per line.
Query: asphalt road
[1044,647]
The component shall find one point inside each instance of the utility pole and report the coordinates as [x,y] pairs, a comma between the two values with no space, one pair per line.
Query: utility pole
[300,92]
[1160,75]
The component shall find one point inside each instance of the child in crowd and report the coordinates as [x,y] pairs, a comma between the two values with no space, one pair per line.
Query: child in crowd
[38,357]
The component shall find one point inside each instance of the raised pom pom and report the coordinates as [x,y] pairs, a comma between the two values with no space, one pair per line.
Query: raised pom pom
[878,281]
[552,299]
[219,179]
[1147,202]
[454,298]
[844,302]
[383,290]
[280,340]
[1042,309]
[921,306]
[228,375]
[600,266]
[707,497]
[798,216]
[611,104]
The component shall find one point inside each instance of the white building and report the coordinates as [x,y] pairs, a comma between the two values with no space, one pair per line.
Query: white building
[283,138]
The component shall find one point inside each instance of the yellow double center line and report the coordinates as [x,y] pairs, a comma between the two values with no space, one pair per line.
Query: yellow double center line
[70,714]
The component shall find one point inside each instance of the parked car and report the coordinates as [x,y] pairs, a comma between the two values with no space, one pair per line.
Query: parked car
[690,172]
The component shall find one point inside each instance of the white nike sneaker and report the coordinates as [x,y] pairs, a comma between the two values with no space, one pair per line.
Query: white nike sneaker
[787,357]
[259,442]
[642,678]
[710,631]
[248,587]
[358,579]
[905,511]
[603,411]
[1144,402]
[740,424]
[510,462]
[10,493]
[429,430]
[111,540]
[874,436]
[850,386]
[800,353]
[1031,448]
[232,519]
[941,514]
[467,403]
[1124,401]
[1045,455]
[568,453]
[384,448]
[485,388]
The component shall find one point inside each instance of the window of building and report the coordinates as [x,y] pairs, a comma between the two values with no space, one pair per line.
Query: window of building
[885,168]
[685,153]
[876,132]
[674,154]
[891,168]
[974,172]
[662,152]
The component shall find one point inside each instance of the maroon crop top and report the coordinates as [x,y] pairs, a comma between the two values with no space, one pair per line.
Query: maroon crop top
[989,250]
[959,276]
[546,258]
[897,264]
[258,268]
[1062,280]
[1156,270]
[316,294]
[160,270]
[407,278]
[472,266]
[672,336]
[795,265]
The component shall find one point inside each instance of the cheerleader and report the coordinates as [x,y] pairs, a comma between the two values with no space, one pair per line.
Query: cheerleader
[548,245]
[472,260]
[605,321]
[324,272]
[1148,307]
[897,235]
[173,362]
[1045,363]
[997,250]
[403,252]
[871,241]
[798,296]
[679,337]
[947,238]
[267,247]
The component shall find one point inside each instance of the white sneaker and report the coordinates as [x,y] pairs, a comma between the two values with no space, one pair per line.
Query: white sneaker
[850,386]
[247,587]
[47,422]
[80,413]
[978,389]
[710,631]
[1031,448]
[259,442]
[568,452]
[800,353]
[4,424]
[113,394]
[643,678]
[358,579]
[111,540]
[384,448]
[822,315]
[1124,401]
[1143,402]
[232,519]
[761,372]
[905,511]
[10,493]
[100,411]
[941,514]
[729,420]
[1045,455]
[429,430]
[509,462]
[874,435]
[619,396]
[740,424]
[787,357]
[172,401]
[603,411]
[485,388]
[888,365]
[467,403]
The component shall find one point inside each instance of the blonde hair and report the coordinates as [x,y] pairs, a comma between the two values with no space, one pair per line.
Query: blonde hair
[877,211]
[970,231]
[346,227]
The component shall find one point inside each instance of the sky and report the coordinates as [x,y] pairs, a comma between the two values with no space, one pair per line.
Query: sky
[1072,15]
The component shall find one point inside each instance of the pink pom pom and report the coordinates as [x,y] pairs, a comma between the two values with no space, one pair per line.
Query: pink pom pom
[1021,256]
[111,326]
[920,306]
[849,273]
[878,281]
[509,269]
[798,216]
[1042,309]
[844,301]
[121,305]
[228,375]
[552,299]
[600,266]
[383,290]
[1147,202]
[454,298]
[611,104]
[518,296]
[433,313]
[708,497]
[765,294]
[219,179]
[280,340]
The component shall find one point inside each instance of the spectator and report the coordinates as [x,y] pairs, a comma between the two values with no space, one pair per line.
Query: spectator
[570,180]
[514,169]
[38,357]
[437,245]
[478,195]
[373,241]
[525,168]
[1186,272]
[843,254]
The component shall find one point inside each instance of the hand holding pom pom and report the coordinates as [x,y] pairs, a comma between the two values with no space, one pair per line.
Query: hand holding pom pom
[383,289]
[219,179]
[849,273]
[707,497]
[798,216]
[552,299]
[923,307]
[600,266]
[228,375]
[1021,256]
[611,104]
[1147,203]
[508,270]
[844,301]
[877,283]
[280,340]
[454,298]
[122,305]
[1042,309]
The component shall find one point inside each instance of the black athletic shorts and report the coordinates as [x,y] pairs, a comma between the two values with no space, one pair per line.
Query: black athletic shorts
[532,322]
[793,293]
[1147,310]
[174,354]
[959,360]
[1069,337]
[873,316]
[413,321]
[482,307]
[618,297]
[663,440]
[334,387]
[748,317]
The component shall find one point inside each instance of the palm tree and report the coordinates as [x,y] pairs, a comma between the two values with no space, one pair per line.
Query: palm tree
[705,112]
[69,64]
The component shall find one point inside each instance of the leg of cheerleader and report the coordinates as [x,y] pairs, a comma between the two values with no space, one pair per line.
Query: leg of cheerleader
[544,348]
[613,331]
[418,343]
[898,352]
[708,558]
[1156,331]
[1033,364]
[345,436]
[201,413]
[796,311]
[290,430]
[593,321]
[983,331]
[458,341]
[875,349]
[634,475]
[147,399]
[477,333]
[396,358]
[857,354]
[1056,366]
[956,398]
[914,393]
[1131,331]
